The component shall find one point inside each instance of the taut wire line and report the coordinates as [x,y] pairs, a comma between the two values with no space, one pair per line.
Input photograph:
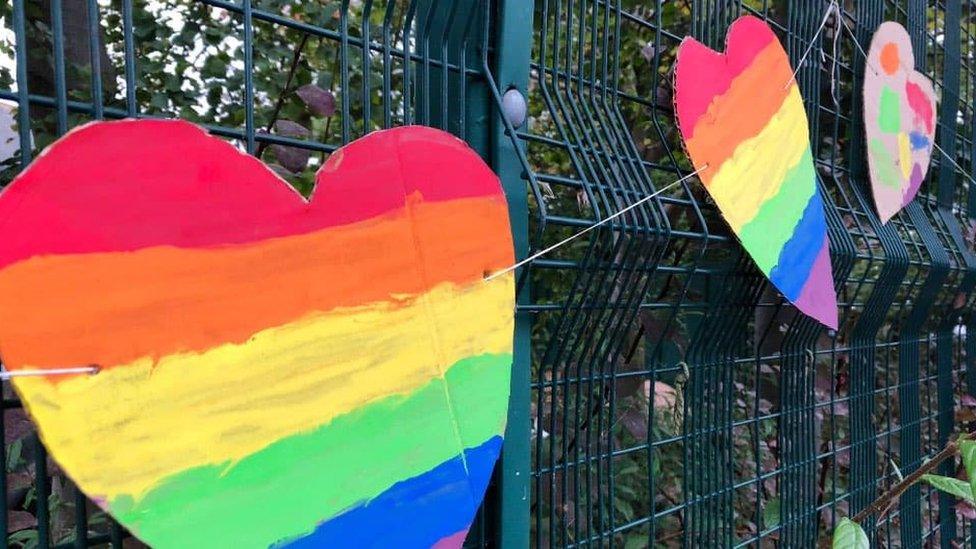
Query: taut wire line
[91,369]
[569,239]
[831,8]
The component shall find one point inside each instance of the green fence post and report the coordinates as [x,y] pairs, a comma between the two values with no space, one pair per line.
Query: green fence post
[945,194]
[512,50]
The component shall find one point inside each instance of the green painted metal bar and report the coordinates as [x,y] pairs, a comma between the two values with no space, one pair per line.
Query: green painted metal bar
[95,57]
[248,47]
[508,65]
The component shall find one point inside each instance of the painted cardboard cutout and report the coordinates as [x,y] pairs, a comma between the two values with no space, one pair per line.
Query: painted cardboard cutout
[899,120]
[738,117]
[273,371]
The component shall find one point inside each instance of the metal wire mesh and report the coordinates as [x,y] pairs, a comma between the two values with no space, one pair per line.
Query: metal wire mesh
[757,427]
[663,395]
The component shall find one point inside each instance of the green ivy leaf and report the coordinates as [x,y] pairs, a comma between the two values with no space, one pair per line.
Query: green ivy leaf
[849,535]
[959,488]
[968,450]
[771,513]
[635,542]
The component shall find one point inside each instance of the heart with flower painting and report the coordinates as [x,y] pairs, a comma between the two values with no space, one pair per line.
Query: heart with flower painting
[899,120]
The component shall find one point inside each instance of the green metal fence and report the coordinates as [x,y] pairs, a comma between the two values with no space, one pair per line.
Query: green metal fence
[662,395]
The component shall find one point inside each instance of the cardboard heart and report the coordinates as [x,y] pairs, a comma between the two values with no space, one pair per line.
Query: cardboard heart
[272,371]
[899,120]
[743,124]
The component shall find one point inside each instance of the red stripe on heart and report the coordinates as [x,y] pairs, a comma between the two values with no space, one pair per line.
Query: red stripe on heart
[746,38]
[73,204]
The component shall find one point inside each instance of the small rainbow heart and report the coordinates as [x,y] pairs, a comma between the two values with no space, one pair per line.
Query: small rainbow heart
[273,371]
[899,120]
[742,120]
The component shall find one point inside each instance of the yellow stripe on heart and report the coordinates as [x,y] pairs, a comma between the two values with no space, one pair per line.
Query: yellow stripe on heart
[237,399]
[756,170]
[904,155]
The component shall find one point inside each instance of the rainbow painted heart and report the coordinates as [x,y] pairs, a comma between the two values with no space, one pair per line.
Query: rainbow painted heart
[743,124]
[273,371]
[899,120]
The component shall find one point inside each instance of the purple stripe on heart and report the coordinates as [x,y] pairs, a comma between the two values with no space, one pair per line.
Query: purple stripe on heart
[914,183]
[815,300]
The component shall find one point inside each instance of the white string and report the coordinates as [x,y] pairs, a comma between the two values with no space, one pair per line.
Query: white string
[867,60]
[948,157]
[831,8]
[833,59]
[7,374]
[953,162]
[569,239]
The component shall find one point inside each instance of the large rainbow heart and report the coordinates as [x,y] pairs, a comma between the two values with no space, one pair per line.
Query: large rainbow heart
[742,120]
[899,120]
[273,371]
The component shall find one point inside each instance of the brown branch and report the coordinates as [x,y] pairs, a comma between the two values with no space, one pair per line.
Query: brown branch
[296,57]
[822,482]
[881,504]
[328,121]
